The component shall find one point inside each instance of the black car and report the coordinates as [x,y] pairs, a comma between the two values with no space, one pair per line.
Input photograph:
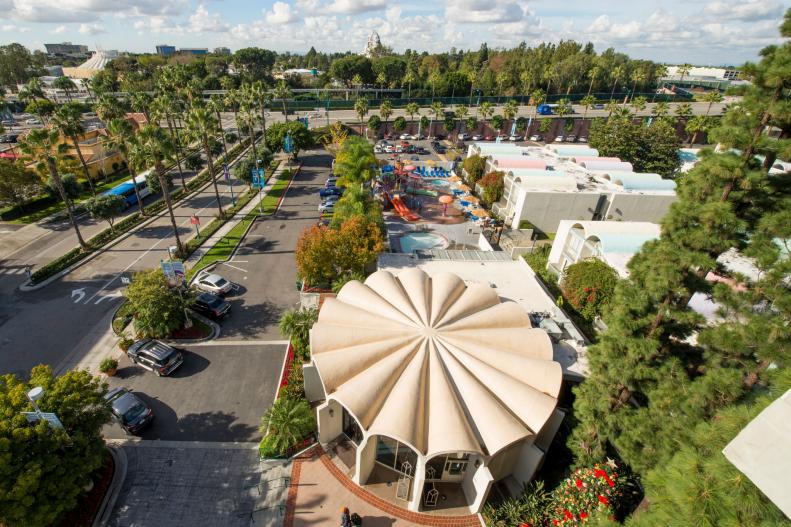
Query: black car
[9,138]
[129,410]
[331,191]
[211,306]
[155,356]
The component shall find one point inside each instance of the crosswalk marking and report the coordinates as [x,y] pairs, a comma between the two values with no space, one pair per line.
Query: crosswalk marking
[12,270]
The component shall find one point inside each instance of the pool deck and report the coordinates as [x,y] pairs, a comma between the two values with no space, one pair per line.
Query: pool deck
[457,234]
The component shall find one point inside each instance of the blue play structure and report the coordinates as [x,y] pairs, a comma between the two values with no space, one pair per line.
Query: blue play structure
[432,172]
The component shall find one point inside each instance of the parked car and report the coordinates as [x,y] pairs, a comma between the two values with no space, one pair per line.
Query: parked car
[463,136]
[213,283]
[331,181]
[536,137]
[9,138]
[32,120]
[571,138]
[598,106]
[439,149]
[415,158]
[378,149]
[131,412]
[422,151]
[559,138]
[417,137]
[501,138]
[155,356]
[389,149]
[327,207]
[331,191]
[331,199]
[488,138]
[405,136]
[477,137]
[211,306]
[513,138]
[8,122]
[583,139]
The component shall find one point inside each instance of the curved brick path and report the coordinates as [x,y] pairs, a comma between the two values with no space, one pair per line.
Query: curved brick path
[325,489]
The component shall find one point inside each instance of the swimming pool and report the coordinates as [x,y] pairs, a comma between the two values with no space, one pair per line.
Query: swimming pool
[686,156]
[440,183]
[421,240]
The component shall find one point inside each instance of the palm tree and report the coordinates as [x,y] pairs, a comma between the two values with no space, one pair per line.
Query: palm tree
[386,110]
[611,106]
[683,71]
[354,167]
[202,126]
[216,105]
[638,104]
[547,75]
[638,76]
[712,97]
[296,323]
[231,99]
[694,126]
[286,423]
[593,74]
[155,148]
[259,92]
[486,109]
[510,109]
[412,109]
[587,101]
[66,84]
[409,78]
[67,120]
[361,109]
[141,102]
[108,108]
[437,111]
[121,138]
[537,98]
[43,147]
[283,93]
[381,80]
[661,109]
[461,113]
[616,74]
[249,114]
[357,81]
[684,110]
[433,78]
[660,70]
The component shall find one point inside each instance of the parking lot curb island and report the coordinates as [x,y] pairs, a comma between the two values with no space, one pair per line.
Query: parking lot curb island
[119,475]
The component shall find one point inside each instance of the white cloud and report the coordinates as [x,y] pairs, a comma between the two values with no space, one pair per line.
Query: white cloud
[201,21]
[59,11]
[355,6]
[281,13]
[58,30]
[745,11]
[483,11]
[91,29]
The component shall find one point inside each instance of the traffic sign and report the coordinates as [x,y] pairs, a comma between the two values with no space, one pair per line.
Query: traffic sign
[226,172]
[288,144]
[194,220]
[49,417]
[259,177]
[167,269]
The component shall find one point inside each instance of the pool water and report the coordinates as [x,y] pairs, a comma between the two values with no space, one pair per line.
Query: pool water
[687,157]
[440,183]
[421,240]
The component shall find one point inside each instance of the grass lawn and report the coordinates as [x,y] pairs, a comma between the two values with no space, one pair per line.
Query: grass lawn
[37,213]
[223,249]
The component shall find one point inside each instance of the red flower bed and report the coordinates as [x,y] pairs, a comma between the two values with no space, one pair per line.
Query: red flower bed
[287,368]
[586,492]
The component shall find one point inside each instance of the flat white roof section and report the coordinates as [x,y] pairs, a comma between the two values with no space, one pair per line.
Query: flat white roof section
[762,451]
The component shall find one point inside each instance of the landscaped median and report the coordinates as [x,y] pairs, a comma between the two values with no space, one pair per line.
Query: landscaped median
[130,222]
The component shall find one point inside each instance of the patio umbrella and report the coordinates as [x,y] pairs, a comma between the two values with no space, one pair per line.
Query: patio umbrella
[454,178]
[409,168]
[471,199]
[465,188]
[480,213]
[445,200]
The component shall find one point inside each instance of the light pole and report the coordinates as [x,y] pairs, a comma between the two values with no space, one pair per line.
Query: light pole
[33,396]
[187,320]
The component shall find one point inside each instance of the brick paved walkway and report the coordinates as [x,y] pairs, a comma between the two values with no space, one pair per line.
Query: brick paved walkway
[319,490]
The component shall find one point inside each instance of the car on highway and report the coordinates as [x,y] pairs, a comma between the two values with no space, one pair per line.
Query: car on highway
[536,137]
[211,306]
[156,356]
[598,106]
[213,283]
[327,207]
[32,120]
[131,412]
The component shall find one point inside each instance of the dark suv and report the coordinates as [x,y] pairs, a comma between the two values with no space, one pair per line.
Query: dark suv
[211,306]
[155,356]
[129,410]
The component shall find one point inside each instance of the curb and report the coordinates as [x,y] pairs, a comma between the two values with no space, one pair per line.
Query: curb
[27,288]
[212,324]
[119,475]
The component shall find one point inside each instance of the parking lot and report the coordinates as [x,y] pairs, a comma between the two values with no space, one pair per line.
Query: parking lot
[218,394]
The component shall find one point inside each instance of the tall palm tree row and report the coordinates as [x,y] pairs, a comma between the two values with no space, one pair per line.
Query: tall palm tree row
[154,148]
[386,110]
[216,105]
[283,93]
[437,111]
[361,109]
[67,120]
[43,146]
[202,126]
[161,110]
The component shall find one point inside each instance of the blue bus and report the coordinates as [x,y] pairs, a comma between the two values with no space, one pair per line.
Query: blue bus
[546,109]
[127,190]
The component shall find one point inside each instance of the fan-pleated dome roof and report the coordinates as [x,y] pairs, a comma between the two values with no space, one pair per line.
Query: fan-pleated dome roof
[433,362]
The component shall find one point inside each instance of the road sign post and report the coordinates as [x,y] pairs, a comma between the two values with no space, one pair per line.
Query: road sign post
[196,221]
[227,175]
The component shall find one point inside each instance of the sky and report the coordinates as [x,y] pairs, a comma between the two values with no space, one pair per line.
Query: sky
[702,32]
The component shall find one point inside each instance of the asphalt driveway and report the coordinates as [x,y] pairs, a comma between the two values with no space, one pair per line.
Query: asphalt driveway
[218,394]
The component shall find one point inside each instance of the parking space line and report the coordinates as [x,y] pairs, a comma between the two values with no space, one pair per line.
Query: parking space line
[241,343]
[233,267]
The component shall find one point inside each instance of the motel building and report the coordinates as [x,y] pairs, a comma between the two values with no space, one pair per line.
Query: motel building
[429,390]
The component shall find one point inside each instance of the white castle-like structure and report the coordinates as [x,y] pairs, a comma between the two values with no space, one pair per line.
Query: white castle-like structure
[373,46]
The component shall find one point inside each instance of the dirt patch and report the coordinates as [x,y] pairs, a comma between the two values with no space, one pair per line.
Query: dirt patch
[88,504]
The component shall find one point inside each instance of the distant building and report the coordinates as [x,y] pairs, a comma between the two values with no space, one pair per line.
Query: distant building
[704,73]
[92,66]
[222,51]
[165,50]
[373,47]
[194,51]
[304,73]
[67,49]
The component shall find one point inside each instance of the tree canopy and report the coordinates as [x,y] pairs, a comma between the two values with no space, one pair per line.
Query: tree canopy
[158,309]
[44,470]
[651,148]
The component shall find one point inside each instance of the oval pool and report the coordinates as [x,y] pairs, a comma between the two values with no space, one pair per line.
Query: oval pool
[421,240]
